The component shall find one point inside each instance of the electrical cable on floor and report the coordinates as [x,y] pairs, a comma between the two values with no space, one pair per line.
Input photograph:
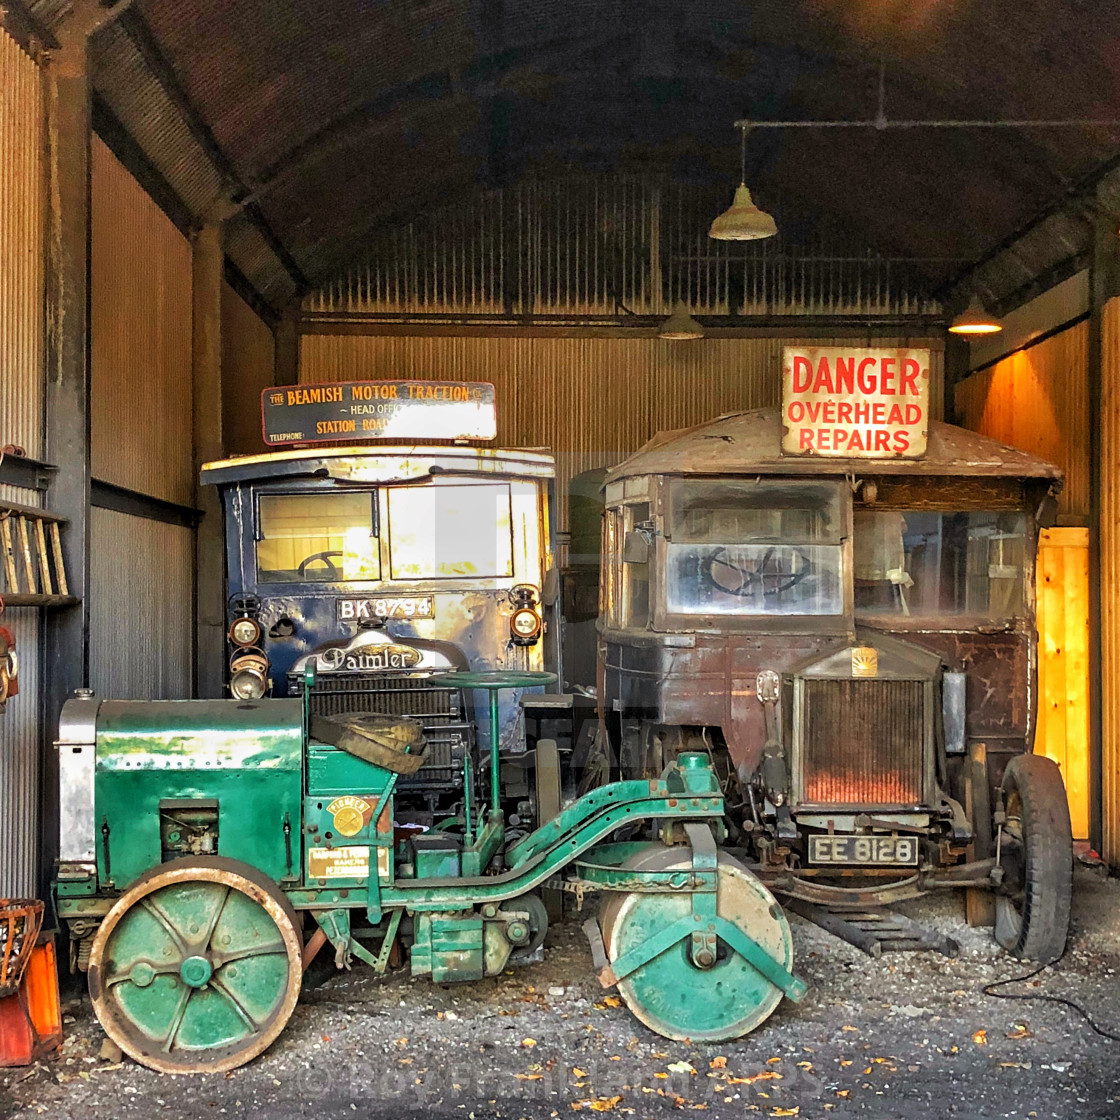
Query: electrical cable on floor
[988,991]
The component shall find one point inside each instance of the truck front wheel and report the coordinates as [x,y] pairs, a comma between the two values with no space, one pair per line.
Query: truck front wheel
[1036,854]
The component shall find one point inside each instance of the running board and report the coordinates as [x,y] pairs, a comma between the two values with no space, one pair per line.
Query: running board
[875,930]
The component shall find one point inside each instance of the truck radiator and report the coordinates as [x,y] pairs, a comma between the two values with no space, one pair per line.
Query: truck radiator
[439,710]
[862,742]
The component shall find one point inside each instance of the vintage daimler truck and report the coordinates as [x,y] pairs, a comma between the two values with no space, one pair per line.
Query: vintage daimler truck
[378,566]
[852,641]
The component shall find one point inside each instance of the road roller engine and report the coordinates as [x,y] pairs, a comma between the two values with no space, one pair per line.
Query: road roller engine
[211,849]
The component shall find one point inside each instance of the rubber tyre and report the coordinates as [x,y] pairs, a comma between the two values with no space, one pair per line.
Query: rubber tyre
[1038,930]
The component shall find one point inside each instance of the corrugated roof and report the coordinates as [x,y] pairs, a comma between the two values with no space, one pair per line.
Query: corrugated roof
[343,115]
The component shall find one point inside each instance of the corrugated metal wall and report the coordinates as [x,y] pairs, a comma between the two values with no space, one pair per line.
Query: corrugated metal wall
[1037,399]
[141,577]
[596,245]
[591,400]
[1110,581]
[22,198]
[248,362]
[140,338]
[141,628]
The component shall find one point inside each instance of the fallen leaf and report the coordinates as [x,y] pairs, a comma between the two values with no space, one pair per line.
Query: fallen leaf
[660,1075]
[402,1042]
[867,1071]
[786,1111]
[681,1067]
[771,1061]
[577,1072]
[765,1075]
[846,1062]
[528,1043]
[1020,1030]
[842,1092]
[597,1104]
[804,1065]
[980,1038]
[528,1076]
[660,1054]
[612,1001]
[326,1038]
[849,1027]
[718,1063]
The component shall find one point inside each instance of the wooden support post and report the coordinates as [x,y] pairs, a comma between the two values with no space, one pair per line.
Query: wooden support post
[66,646]
[286,369]
[206,349]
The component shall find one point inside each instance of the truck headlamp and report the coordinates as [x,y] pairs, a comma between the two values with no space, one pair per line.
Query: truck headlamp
[525,625]
[245,632]
[248,679]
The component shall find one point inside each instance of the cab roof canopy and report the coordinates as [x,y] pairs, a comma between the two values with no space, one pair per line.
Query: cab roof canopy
[750,443]
[380,463]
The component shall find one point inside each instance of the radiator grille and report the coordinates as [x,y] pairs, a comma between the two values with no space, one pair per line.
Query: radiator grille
[439,710]
[862,742]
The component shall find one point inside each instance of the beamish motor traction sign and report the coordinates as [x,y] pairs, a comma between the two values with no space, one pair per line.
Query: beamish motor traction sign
[858,402]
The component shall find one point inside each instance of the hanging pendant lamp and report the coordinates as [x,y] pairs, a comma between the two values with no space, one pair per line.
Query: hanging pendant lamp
[680,325]
[975,319]
[743,220]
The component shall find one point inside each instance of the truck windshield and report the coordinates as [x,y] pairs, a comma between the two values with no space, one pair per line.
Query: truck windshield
[748,547]
[447,530]
[318,538]
[927,563]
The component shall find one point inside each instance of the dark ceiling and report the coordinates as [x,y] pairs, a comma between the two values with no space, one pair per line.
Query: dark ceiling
[330,119]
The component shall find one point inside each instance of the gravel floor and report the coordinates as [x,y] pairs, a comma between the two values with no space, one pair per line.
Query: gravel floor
[908,1035]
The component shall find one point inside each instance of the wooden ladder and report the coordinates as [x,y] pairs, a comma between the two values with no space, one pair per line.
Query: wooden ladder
[32,572]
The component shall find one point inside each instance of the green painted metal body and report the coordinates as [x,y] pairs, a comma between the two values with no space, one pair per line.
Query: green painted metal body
[246,757]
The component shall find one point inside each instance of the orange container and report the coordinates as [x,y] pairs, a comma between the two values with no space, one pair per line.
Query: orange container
[40,981]
[31,1018]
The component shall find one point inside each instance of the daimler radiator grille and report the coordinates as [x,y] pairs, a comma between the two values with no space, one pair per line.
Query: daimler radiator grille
[862,742]
[439,710]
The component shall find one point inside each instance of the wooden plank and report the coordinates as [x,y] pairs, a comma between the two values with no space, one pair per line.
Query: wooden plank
[1076,771]
[59,563]
[25,544]
[44,558]
[1050,739]
[12,584]
[23,599]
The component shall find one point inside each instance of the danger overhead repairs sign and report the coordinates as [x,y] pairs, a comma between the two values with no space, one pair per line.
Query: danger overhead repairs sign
[358,410]
[858,402]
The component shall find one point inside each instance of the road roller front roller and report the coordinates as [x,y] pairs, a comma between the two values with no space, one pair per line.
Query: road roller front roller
[703,965]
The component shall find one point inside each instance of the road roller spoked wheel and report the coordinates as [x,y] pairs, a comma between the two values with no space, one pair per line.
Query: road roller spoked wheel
[670,994]
[197,967]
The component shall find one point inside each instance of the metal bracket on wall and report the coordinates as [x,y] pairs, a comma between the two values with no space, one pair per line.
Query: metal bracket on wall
[28,474]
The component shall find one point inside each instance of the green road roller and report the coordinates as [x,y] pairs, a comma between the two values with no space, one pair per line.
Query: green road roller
[212,848]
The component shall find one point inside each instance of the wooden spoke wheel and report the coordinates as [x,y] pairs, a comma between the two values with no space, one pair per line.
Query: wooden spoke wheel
[197,967]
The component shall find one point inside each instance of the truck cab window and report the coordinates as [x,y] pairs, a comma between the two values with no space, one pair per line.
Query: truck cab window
[635,567]
[928,563]
[318,538]
[758,548]
[449,530]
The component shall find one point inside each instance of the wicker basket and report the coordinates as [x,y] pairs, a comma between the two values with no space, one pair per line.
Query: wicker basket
[20,922]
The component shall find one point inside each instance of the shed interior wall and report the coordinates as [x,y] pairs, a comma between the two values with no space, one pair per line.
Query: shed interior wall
[140,338]
[22,330]
[141,571]
[248,359]
[1037,399]
[592,401]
